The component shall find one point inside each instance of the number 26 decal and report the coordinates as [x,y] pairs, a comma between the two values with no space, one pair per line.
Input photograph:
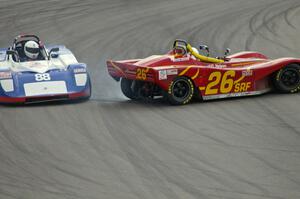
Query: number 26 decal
[42,77]
[141,73]
[226,83]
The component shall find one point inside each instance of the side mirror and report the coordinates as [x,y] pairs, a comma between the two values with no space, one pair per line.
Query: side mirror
[227,52]
[54,55]
[204,47]
[53,50]
[13,53]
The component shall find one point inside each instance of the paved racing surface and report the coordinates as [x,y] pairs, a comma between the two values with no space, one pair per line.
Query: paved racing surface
[109,147]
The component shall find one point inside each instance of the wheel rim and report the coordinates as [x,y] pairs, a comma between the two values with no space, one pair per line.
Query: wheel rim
[181,89]
[290,78]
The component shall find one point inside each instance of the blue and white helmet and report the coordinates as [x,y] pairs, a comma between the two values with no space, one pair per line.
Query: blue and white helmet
[32,49]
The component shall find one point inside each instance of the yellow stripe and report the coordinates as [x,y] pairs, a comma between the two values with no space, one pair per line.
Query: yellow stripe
[196,75]
[202,88]
[241,78]
[185,70]
[118,68]
[245,63]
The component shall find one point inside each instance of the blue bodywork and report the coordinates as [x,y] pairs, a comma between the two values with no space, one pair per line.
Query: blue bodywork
[67,75]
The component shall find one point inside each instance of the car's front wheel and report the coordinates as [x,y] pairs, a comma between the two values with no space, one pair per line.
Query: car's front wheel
[181,91]
[89,90]
[287,80]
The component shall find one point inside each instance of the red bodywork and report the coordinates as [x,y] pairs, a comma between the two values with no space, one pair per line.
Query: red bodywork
[241,74]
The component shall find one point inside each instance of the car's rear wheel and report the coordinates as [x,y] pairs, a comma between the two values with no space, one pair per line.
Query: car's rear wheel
[181,91]
[127,88]
[287,80]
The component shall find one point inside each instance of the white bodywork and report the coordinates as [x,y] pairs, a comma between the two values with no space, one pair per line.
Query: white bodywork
[64,59]
[45,88]
[43,84]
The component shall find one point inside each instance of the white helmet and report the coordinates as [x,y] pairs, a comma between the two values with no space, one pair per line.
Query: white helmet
[32,49]
[195,50]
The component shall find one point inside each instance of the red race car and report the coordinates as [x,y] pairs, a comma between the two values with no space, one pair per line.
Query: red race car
[183,73]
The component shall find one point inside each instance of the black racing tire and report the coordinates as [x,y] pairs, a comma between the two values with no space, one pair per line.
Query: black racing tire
[127,90]
[181,91]
[90,90]
[287,79]
[197,95]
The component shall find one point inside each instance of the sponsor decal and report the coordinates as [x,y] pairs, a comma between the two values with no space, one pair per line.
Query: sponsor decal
[242,87]
[162,74]
[172,72]
[79,70]
[247,73]
[5,75]
[216,66]
[35,65]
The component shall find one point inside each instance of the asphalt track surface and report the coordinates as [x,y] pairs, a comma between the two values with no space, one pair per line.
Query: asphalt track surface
[110,147]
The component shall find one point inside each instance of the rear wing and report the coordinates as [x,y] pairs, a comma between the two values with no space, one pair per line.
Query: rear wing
[118,70]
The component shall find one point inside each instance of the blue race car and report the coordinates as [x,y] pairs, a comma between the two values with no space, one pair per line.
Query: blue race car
[32,72]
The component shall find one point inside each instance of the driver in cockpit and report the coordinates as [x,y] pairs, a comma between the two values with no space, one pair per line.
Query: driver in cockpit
[32,51]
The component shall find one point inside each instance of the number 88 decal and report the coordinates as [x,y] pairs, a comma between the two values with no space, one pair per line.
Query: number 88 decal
[42,77]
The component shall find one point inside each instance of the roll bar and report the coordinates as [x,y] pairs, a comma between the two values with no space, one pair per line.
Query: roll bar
[197,55]
[26,36]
